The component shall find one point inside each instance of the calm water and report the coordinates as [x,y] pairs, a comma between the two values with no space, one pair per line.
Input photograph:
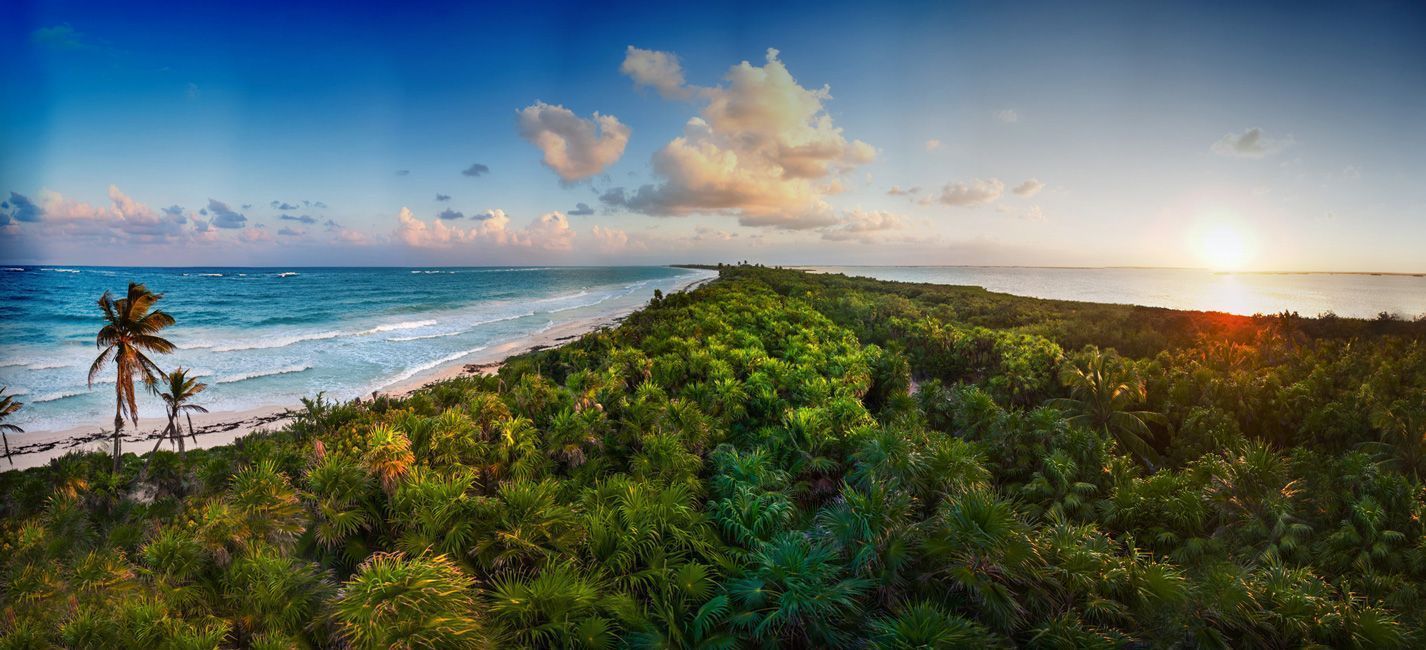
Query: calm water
[1359,296]
[262,336]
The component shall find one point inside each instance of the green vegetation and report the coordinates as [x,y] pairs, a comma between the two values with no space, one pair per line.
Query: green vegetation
[784,459]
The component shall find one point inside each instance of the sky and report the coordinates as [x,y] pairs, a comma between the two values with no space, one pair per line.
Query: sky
[1283,137]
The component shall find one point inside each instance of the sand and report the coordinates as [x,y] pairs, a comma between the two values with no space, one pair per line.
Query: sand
[223,428]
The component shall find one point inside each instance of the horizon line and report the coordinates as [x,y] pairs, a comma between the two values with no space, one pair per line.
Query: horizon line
[714,264]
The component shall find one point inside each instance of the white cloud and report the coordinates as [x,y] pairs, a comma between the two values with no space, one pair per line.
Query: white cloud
[575,148]
[897,190]
[863,225]
[614,240]
[763,148]
[1251,143]
[658,70]
[1029,188]
[977,192]
[125,219]
[933,144]
[704,233]
[1007,116]
[549,231]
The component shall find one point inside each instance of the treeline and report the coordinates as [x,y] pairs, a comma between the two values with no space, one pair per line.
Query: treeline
[783,459]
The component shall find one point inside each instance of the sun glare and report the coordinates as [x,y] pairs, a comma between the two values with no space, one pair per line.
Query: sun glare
[1223,247]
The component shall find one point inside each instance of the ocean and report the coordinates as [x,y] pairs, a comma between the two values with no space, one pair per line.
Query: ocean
[1309,294]
[265,336]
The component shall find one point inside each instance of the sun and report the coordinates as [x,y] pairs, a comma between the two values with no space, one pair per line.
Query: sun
[1224,247]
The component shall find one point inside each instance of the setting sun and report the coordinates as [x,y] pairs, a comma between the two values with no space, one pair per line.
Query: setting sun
[1224,247]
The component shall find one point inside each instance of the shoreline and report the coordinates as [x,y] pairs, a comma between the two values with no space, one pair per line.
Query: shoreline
[226,427]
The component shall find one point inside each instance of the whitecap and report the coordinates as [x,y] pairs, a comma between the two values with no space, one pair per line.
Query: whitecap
[278,342]
[472,326]
[232,379]
[392,327]
[415,370]
[47,365]
[53,397]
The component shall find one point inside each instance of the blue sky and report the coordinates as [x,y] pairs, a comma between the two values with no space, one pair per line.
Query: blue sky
[1217,134]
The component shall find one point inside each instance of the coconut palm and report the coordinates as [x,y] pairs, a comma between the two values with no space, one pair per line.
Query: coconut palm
[8,406]
[130,330]
[176,391]
[1102,395]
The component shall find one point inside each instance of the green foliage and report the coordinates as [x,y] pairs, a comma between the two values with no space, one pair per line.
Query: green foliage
[783,459]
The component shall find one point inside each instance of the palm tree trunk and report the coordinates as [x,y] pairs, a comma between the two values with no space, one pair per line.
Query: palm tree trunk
[178,434]
[6,437]
[118,432]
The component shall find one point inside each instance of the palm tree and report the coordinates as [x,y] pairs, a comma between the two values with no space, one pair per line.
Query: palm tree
[176,391]
[398,602]
[130,330]
[1101,396]
[8,406]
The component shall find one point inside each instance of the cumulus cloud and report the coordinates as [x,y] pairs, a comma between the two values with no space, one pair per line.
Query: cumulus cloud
[581,210]
[1007,116]
[282,205]
[124,219]
[450,215]
[550,231]
[475,169]
[977,192]
[443,197]
[289,232]
[897,190]
[933,144]
[306,218]
[863,226]
[763,148]
[23,209]
[658,70]
[224,216]
[575,148]
[1252,143]
[614,240]
[1029,188]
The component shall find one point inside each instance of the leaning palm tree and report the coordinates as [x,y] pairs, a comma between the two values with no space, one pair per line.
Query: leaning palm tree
[177,392]
[1102,394]
[130,330]
[8,406]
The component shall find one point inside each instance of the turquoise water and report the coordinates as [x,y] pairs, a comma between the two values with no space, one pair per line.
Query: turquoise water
[264,336]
